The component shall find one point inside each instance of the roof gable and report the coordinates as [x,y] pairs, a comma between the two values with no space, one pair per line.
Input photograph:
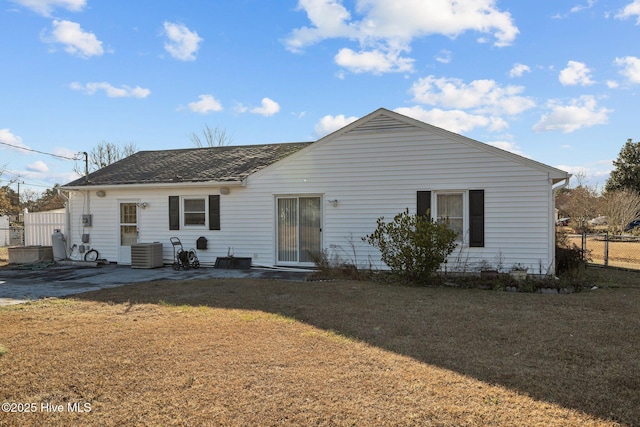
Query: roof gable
[383,120]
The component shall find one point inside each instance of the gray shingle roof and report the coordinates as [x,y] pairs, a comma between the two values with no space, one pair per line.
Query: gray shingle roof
[221,164]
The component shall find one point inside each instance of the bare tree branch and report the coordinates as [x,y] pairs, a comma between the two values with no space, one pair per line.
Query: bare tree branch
[211,137]
[104,154]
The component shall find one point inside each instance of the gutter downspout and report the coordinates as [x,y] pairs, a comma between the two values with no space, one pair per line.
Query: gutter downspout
[67,222]
[554,191]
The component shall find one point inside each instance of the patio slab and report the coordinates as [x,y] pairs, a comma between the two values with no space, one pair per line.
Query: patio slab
[46,280]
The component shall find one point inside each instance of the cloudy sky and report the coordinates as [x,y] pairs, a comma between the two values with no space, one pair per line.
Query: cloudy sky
[555,81]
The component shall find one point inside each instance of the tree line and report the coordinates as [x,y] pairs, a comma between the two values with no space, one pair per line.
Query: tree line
[617,205]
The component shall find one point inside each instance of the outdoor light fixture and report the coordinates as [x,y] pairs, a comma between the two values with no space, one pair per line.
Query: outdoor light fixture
[101,193]
[224,191]
[334,202]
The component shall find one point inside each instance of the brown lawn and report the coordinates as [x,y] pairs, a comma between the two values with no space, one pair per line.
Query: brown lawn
[248,352]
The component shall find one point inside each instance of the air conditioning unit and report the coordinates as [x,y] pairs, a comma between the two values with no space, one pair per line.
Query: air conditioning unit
[146,255]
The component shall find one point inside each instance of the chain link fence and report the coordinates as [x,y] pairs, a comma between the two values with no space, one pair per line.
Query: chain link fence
[610,250]
[11,236]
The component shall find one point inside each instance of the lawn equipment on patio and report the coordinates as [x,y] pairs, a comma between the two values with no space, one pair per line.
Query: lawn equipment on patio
[181,258]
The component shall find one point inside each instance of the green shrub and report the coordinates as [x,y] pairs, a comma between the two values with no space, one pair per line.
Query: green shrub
[412,246]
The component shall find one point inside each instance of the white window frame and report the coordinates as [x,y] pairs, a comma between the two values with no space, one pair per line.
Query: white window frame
[463,238]
[183,211]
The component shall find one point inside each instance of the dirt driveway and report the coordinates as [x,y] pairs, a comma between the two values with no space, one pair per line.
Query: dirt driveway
[21,283]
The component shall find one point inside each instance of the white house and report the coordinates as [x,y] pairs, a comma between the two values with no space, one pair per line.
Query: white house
[278,203]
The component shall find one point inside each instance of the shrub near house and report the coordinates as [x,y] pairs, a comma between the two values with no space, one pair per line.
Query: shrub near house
[413,246]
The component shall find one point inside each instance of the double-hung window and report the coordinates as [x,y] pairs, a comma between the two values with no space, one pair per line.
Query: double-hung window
[194,211]
[450,210]
[462,211]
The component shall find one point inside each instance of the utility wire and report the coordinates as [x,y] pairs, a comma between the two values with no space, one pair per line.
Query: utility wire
[39,152]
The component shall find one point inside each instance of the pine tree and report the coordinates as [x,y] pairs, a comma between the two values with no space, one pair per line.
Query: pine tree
[626,172]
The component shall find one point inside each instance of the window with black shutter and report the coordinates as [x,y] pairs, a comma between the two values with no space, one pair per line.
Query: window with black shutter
[424,203]
[476,218]
[174,213]
[449,208]
[214,212]
[190,212]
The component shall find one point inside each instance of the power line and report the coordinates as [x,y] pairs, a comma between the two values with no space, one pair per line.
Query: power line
[39,152]
[9,181]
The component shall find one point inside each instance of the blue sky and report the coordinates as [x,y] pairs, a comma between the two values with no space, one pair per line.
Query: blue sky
[555,81]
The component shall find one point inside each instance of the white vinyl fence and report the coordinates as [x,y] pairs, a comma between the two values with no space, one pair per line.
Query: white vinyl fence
[5,232]
[39,226]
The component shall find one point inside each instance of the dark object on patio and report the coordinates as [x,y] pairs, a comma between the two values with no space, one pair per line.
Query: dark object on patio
[233,262]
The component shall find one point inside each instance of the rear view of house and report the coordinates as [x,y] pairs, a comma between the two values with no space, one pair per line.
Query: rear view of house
[279,204]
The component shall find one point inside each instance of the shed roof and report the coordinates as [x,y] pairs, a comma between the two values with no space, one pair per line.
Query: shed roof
[211,164]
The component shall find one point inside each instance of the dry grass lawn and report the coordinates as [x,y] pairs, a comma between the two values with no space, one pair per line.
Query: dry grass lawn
[620,254]
[249,352]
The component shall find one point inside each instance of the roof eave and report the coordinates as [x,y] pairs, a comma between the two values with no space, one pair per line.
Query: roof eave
[155,185]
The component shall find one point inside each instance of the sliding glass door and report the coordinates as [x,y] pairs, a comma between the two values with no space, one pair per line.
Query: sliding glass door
[299,229]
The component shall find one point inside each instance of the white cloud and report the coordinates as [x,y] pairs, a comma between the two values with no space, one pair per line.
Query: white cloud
[39,166]
[386,28]
[9,138]
[444,57]
[240,108]
[453,120]
[581,112]
[329,124]
[576,73]
[518,70]
[581,7]
[77,41]
[45,7]
[182,43]
[268,108]
[206,105]
[329,19]
[632,9]
[482,96]
[373,61]
[111,91]
[630,68]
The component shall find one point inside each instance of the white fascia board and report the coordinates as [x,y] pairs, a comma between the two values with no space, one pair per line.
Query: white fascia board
[158,185]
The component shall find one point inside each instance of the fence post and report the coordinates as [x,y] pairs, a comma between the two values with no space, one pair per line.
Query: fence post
[606,249]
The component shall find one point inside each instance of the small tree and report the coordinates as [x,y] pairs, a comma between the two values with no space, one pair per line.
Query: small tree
[413,246]
[581,205]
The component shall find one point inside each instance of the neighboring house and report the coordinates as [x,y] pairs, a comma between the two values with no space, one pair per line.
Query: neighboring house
[279,203]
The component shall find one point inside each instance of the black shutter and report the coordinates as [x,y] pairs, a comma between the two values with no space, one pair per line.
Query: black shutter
[174,212]
[214,212]
[424,203]
[476,218]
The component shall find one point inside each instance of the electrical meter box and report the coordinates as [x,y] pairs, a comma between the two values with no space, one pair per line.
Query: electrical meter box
[87,220]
